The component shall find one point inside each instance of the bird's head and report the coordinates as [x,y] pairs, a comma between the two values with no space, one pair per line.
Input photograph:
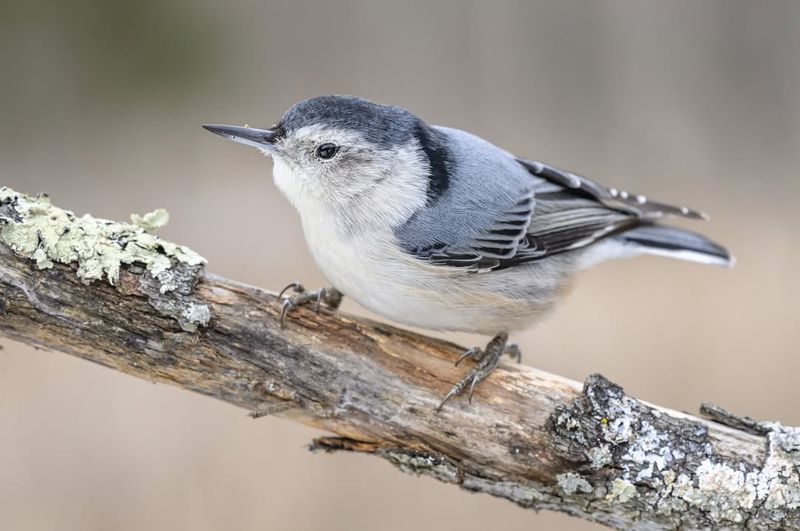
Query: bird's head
[349,155]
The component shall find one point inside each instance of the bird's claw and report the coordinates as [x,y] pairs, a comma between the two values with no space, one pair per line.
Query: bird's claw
[330,296]
[296,286]
[486,361]
[475,353]
[286,305]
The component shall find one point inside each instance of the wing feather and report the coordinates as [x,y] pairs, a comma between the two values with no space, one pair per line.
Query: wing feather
[557,211]
[637,204]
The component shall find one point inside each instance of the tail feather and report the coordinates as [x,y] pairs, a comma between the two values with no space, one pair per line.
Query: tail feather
[675,242]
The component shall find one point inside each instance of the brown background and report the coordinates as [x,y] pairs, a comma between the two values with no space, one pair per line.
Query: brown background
[100,105]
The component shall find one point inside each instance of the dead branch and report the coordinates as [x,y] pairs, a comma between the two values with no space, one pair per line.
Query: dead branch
[115,294]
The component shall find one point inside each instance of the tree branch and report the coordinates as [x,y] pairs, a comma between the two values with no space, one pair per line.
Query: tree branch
[115,294]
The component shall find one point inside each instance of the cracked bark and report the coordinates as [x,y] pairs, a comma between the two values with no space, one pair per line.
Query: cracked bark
[533,438]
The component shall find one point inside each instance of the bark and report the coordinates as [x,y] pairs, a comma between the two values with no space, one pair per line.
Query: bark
[115,294]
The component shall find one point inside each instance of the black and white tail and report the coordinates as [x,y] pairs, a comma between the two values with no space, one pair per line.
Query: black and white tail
[674,242]
[574,212]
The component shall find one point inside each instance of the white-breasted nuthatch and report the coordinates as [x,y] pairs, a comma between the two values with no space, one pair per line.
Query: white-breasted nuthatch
[437,228]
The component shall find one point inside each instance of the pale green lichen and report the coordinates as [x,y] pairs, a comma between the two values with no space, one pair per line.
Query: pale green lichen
[730,493]
[727,492]
[599,456]
[36,229]
[571,483]
[622,490]
[151,221]
[662,461]
[193,315]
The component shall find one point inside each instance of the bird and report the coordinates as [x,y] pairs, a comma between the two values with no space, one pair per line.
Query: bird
[437,228]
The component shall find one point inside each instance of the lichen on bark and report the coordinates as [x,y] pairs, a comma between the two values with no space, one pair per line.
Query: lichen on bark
[34,228]
[650,458]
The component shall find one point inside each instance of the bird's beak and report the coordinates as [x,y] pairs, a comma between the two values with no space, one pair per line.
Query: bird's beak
[263,139]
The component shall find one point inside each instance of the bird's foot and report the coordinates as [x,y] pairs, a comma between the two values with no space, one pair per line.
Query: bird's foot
[332,298]
[486,361]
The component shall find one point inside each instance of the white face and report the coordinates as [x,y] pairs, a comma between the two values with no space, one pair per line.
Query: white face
[328,171]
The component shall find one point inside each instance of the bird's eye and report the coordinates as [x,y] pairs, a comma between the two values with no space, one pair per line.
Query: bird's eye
[326,150]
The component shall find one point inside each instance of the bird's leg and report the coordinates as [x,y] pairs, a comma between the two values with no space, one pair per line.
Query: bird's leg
[486,361]
[332,298]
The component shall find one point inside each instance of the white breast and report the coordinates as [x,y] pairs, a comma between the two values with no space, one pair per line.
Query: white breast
[365,267]
[374,272]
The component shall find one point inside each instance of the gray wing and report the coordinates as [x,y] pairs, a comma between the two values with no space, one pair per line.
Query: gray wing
[503,240]
[635,204]
[482,218]
[573,212]
[527,211]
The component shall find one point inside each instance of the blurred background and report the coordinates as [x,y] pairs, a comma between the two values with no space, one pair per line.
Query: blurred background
[101,104]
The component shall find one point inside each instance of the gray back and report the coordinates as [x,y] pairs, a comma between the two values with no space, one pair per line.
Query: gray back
[484,183]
